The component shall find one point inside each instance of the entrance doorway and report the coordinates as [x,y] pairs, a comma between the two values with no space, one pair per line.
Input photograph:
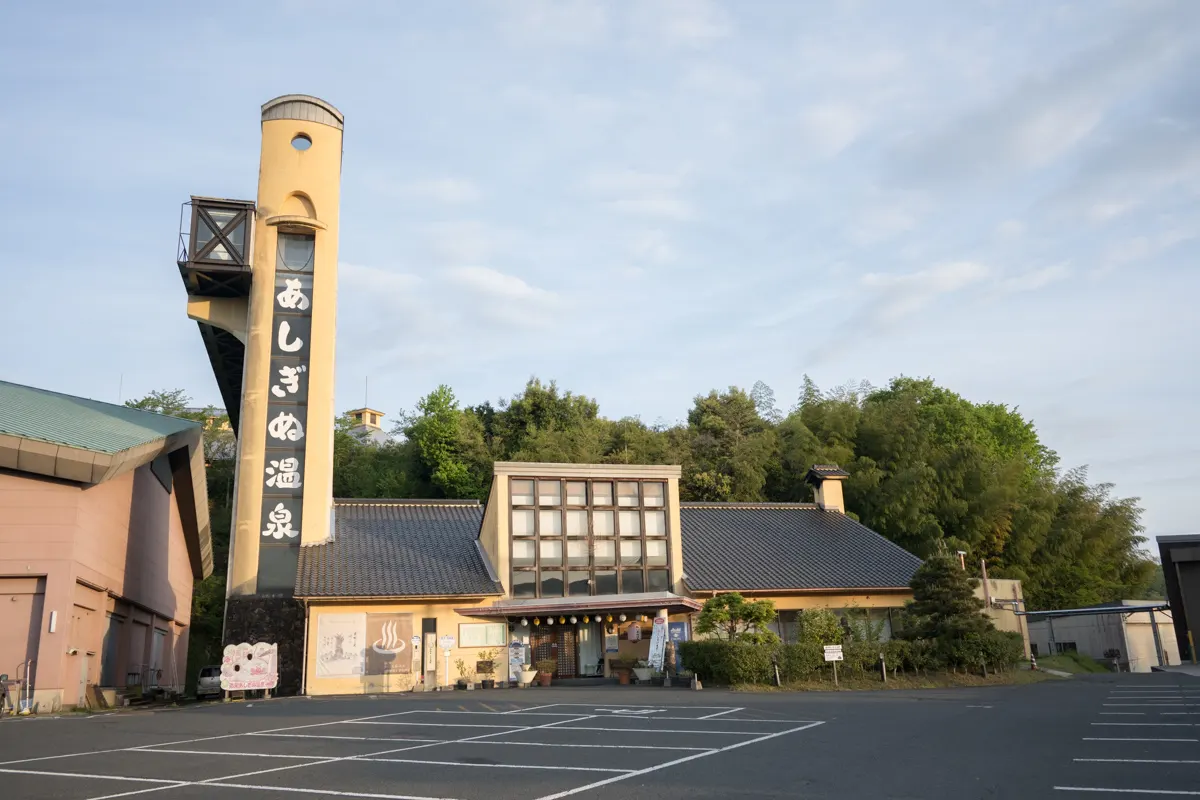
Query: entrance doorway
[559,645]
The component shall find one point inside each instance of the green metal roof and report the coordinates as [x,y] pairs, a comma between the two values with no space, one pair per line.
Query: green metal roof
[78,422]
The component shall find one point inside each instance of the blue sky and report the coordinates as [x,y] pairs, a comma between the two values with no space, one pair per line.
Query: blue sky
[647,200]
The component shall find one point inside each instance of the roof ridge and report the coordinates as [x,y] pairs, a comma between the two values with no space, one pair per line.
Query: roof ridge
[763,505]
[402,501]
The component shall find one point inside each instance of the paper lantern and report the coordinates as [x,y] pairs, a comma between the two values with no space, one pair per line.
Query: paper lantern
[562,620]
[585,618]
[524,622]
[622,618]
[573,620]
[536,622]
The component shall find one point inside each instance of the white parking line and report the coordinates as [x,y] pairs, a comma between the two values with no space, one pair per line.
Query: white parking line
[347,738]
[437,724]
[330,792]
[1152,724]
[656,730]
[603,746]
[89,775]
[1098,739]
[495,766]
[721,713]
[1138,760]
[243,755]
[677,761]
[1136,705]
[1122,713]
[1124,791]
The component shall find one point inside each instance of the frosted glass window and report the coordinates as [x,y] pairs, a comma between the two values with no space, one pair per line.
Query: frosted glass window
[602,494]
[627,494]
[522,493]
[551,553]
[577,553]
[550,522]
[656,552]
[602,523]
[523,553]
[631,554]
[659,581]
[654,494]
[522,523]
[656,523]
[631,523]
[576,493]
[549,493]
[605,553]
[632,581]
[577,523]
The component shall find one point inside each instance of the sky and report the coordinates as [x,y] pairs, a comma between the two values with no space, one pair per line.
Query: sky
[645,201]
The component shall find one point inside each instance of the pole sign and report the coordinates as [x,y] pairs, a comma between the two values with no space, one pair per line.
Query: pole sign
[833,652]
[658,643]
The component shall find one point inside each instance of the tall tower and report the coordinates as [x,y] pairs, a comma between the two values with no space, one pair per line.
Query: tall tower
[262,284]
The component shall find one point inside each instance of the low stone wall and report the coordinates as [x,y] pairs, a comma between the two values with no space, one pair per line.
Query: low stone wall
[278,620]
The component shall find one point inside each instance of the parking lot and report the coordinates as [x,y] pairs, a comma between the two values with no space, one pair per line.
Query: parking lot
[1114,735]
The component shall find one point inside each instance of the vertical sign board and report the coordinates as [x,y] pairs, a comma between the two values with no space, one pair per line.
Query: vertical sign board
[658,642]
[287,414]
[677,632]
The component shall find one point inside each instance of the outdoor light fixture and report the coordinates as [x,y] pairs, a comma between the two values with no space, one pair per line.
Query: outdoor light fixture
[585,618]
[609,618]
[549,620]
[562,620]
[536,622]
[524,622]
[622,618]
[573,620]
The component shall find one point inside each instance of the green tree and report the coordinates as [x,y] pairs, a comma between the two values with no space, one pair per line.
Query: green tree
[944,604]
[170,402]
[732,449]
[732,617]
[450,445]
[818,626]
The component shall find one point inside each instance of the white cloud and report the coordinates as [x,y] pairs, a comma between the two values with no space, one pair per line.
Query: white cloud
[467,241]
[376,281]
[902,294]
[1036,279]
[681,22]
[554,22]
[493,284]
[640,193]
[652,246]
[451,191]
[829,129]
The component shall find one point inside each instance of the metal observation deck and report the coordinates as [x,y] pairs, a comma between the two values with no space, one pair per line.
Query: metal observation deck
[215,243]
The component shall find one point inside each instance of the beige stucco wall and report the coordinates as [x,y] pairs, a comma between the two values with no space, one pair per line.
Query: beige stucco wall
[1003,616]
[283,172]
[115,545]
[447,622]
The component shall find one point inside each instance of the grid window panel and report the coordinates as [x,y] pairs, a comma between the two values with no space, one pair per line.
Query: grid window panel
[577,554]
[577,523]
[552,583]
[654,494]
[524,553]
[656,553]
[552,552]
[550,523]
[605,552]
[632,581]
[524,584]
[631,523]
[656,523]
[627,493]
[522,523]
[578,583]
[522,493]
[631,554]
[602,493]
[603,524]
[549,493]
[577,493]
[659,581]
[606,582]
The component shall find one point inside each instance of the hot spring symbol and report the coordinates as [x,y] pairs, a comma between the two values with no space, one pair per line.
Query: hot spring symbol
[389,643]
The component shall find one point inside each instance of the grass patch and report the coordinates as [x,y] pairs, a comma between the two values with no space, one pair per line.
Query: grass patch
[1075,663]
[943,680]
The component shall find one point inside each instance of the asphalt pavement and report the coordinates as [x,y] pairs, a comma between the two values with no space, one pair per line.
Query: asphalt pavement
[1103,735]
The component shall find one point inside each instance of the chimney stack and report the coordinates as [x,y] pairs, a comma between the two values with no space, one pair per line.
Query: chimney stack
[826,480]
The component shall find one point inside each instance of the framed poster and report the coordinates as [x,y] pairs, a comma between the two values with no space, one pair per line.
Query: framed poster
[388,641]
[482,634]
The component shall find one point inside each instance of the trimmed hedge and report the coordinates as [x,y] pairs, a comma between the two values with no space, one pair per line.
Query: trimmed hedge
[722,662]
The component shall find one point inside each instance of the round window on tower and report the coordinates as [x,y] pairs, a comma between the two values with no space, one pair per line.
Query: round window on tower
[301,141]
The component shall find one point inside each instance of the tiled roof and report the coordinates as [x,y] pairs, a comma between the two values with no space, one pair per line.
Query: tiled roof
[78,422]
[758,546]
[398,548]
[823,471]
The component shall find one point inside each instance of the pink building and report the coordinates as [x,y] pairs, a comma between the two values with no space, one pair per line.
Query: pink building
[103,528]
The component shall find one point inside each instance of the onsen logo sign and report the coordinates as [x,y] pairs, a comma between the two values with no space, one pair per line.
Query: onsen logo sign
[390,642]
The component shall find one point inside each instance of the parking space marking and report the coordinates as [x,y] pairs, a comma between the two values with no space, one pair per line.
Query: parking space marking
[1124,791]
[329,736]
[722,713]
[604,746]
[1138,760]
[89,775]
[676,762]
[1122,713]
[331,792]
[1152,724]
[657,730]
[1097,739]
[220,780]
[1136,705]
[495,766]
[239,755]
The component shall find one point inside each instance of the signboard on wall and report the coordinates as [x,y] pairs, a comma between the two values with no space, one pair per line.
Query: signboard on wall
[247,667]
[388,635]
[353,645]
[287,415]
[482,634]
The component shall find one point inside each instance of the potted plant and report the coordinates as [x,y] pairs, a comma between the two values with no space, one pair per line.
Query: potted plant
[621,670]
[528,676]
[545,670]
[487,668]
[464,675]
[643,671]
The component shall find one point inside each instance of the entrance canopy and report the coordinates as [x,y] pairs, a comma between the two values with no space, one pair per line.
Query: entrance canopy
[640,603]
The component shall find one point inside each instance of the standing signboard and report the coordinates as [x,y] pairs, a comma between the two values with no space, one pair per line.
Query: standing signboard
[447,644]
[246,667]
[516,660]
[658,642]
[833,652]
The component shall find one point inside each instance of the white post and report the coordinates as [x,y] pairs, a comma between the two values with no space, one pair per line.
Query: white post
[447,652]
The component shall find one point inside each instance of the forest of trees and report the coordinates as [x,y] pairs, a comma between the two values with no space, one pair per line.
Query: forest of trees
[929,469]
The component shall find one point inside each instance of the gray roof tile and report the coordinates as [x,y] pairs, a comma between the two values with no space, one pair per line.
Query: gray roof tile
[398,548]
[786,546]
